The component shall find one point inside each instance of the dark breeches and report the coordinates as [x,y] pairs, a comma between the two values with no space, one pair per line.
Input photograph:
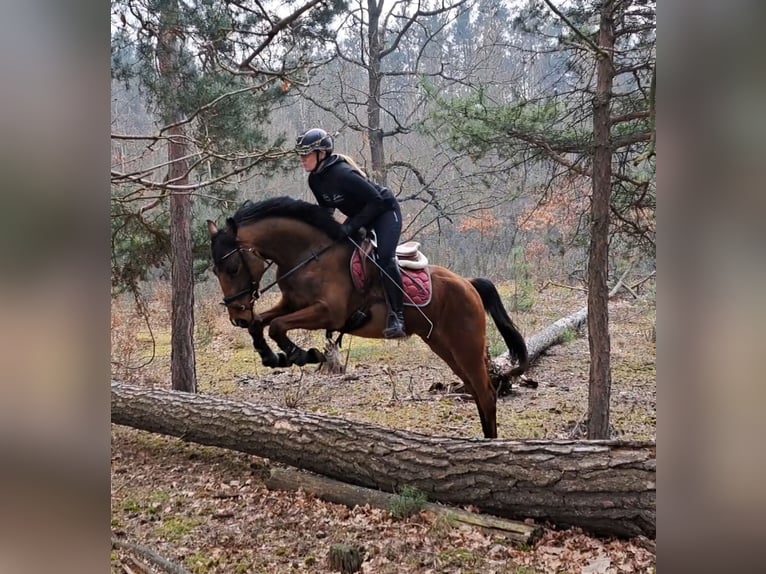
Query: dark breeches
[388,228]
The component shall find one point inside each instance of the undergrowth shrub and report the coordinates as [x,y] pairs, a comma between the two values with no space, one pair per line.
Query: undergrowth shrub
[128,353]
[408,502]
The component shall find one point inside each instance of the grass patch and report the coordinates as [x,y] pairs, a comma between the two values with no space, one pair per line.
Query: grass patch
[176,527]
[568,336]
[408,502]
[362,349]
[460,558]
[150,505]
[443,524]
[131,506]
[198,563]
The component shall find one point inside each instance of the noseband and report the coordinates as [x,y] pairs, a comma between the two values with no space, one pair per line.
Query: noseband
[252,290]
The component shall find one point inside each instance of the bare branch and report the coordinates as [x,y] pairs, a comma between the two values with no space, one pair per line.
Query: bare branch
[276,29]
[593,47]
[630,117]
[118,177]
[412,19]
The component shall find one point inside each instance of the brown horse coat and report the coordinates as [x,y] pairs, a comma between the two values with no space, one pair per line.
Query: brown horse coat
[301,239]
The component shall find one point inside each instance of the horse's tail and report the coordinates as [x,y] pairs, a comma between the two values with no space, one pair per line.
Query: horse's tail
[490,298]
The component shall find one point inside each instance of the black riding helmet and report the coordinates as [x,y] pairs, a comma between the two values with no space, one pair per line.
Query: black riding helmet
[316,139]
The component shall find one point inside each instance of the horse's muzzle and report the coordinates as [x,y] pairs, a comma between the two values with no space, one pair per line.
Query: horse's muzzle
[240,323]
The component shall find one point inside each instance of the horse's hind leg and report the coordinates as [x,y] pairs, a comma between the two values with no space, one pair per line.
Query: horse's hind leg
[467,361]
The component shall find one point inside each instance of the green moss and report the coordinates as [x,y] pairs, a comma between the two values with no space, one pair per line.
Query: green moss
[131,505]
[198,563]
[176,527]
[460,558]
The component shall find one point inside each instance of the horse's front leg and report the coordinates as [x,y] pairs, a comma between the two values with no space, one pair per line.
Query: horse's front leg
[268,357]
[309,318]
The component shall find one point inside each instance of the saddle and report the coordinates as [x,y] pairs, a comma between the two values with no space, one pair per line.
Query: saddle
[413,266]
[409,256]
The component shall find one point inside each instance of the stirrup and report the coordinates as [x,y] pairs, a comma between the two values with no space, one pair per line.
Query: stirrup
[394,327]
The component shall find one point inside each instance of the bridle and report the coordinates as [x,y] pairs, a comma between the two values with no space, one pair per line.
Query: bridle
[252,289]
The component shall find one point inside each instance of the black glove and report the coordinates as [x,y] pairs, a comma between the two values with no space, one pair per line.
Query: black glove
[347,230]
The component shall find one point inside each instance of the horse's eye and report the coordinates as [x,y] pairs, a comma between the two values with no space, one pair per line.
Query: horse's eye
[234,268]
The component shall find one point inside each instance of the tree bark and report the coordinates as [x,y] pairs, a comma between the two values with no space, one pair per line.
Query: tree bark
[183,373]
[600,376]
[374,132]
[182,360]
[606,487]
[351,496]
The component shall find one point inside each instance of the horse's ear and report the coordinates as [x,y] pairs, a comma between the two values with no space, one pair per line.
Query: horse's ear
[212,228]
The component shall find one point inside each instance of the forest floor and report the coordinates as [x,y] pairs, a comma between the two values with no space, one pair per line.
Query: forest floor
[207,509]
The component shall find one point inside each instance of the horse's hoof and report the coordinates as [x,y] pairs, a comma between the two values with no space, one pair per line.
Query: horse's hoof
[272,361]
[298,358]
[314,355]
[283,360]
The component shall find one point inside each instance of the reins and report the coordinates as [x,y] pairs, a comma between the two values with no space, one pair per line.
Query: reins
[313,257]
[253,289]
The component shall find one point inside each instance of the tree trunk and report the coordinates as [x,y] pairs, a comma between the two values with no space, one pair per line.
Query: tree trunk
[182,361]
[604,487]
[600,377]
[374,131]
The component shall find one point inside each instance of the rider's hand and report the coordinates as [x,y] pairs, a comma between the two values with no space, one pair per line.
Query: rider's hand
[347,230]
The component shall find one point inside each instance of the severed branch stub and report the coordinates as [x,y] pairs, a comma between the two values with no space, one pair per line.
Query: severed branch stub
[345,558]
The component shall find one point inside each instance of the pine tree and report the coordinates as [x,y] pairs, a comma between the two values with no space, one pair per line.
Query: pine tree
[594,121]
[210,71]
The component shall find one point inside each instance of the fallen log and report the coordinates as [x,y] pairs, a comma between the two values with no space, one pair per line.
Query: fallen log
[351,496]
[605,487]
[555,333]
[157,561]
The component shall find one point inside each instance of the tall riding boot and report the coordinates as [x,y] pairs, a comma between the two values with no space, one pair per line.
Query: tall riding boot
[395,297]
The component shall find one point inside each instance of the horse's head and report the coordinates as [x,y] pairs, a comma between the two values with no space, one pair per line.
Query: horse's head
[239,272]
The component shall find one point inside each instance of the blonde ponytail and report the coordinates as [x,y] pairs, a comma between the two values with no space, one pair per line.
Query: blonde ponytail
[352,163]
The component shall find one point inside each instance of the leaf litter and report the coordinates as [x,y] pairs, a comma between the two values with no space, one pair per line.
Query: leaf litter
[207,509]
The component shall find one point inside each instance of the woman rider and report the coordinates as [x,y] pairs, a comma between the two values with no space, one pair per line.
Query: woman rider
[338,183]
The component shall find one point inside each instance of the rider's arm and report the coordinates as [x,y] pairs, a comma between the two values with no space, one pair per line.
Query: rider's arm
[375,202]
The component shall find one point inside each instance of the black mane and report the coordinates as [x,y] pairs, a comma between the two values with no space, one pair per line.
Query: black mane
[304,211]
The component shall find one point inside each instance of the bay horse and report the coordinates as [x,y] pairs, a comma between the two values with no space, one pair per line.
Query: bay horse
[313,273]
